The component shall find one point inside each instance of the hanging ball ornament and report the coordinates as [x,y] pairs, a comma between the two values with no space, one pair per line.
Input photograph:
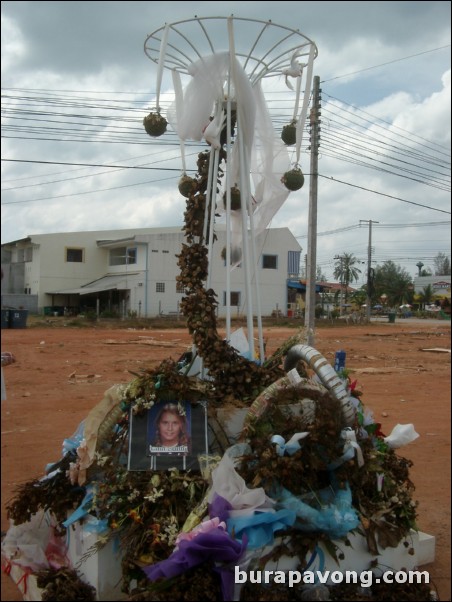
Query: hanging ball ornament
[293,179]
[187,186]
[155,124]
[289,134]
[235,199]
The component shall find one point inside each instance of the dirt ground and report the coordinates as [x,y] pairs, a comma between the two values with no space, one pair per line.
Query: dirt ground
[62,372]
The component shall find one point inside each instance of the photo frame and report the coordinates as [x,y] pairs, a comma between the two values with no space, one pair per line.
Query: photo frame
[183,426]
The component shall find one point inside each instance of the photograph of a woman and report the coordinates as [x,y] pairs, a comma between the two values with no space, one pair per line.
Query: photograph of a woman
[169,428]
[169,434]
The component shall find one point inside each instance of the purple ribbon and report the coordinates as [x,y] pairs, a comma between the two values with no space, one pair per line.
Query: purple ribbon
[215,545]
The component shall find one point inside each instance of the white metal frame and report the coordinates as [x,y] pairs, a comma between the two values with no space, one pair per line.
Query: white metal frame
[263,49]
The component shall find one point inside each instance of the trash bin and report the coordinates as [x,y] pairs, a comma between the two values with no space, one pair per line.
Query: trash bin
[18,318]
[391,316]
[5,318]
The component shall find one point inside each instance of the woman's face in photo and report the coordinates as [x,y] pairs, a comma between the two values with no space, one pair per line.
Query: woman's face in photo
[169,429]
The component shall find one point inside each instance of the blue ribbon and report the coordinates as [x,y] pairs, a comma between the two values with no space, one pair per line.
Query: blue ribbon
[259,528]
[82,510]
[74,442]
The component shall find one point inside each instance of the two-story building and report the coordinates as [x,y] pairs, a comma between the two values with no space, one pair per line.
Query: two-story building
[133,271]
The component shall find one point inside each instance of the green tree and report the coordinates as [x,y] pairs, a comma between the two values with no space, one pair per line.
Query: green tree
[393,281]
[346,271]
[426,295]
[359,297]
[442,265]
[319,275]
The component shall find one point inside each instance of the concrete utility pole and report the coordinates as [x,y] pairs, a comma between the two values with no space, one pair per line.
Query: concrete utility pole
[369,266]
[341,292]
[312,228]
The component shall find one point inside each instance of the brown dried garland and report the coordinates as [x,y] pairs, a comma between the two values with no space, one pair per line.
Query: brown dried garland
[64,584]
[234,376]
[54,493]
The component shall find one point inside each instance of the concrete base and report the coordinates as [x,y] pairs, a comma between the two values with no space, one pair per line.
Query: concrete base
[426,550]
[103,569]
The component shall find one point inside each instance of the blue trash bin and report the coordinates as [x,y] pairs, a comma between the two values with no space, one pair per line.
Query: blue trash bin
[5,318]
[18,318]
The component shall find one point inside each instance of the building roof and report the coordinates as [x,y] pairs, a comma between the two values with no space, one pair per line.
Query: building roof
[106,283]
[332,287]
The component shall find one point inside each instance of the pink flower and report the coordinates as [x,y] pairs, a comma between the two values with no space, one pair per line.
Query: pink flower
[203,527]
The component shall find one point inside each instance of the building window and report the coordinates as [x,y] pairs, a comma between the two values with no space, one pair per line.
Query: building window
[29,254]
[270,262]
[123,256]
[74,255]
[293,263]
[180,287]
[165,251]
[159,287]
[235,298]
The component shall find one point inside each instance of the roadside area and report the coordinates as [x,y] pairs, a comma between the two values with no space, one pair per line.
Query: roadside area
[402,368]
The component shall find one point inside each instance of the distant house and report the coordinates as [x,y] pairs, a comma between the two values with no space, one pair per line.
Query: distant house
[440,285]
[325,293]
[134,271]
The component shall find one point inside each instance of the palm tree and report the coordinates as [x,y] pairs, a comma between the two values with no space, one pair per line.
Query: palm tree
[345,270]
[426,295]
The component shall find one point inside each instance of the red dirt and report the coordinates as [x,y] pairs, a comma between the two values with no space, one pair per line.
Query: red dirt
[62,372]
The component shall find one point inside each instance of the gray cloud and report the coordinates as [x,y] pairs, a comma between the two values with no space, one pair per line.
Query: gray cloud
[98,46]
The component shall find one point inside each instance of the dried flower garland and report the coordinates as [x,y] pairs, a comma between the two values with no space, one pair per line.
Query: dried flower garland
[63,584]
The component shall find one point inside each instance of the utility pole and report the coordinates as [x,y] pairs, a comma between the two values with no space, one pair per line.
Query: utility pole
[341,291]
[309,321]
[369,266]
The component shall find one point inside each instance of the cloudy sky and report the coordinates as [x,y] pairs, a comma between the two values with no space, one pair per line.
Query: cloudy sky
[76,84]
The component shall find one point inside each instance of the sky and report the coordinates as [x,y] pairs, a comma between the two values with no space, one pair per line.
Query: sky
[76,84]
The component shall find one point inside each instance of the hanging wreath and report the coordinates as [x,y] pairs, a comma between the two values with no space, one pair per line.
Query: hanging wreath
[187,186]
[289,133]
[236,201]
[155,124]
[293,179]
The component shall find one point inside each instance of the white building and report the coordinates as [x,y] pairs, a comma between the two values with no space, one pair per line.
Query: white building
[133,272]
[440,284]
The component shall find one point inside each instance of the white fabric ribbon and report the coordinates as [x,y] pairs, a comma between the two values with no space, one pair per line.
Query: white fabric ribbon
[350,442]
[351,448]
[291,446]
[400,435]
[227,483]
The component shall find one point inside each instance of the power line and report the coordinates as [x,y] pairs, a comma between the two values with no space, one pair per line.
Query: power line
[384,64]
[92,165]
[379,226]
[383,194]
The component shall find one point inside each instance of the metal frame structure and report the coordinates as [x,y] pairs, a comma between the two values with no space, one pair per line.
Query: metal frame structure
[258,49]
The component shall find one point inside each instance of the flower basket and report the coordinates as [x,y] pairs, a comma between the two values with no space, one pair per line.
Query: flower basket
[187,186]
[293,179]
[155,124]
[289,133]
[236,202]
[319,429]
